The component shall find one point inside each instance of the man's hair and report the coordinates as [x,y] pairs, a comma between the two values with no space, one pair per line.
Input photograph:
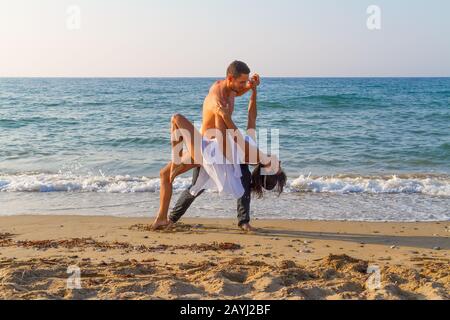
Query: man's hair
[237,68]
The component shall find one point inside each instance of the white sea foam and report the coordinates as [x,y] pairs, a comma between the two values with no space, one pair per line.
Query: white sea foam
[431,185]
[42,182]
[83,183]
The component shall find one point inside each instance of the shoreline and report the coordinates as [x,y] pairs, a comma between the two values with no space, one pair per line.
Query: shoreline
[120,258]
[192,219]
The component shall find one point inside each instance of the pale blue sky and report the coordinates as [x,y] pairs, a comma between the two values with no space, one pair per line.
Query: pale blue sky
[200,38]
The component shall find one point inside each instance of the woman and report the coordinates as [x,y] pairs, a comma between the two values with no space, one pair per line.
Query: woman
[209,155]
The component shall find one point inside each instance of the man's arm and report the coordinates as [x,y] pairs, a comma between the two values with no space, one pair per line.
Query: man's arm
[241,93]
[253,83]
[252,112]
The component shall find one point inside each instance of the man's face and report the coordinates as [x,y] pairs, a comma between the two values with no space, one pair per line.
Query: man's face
[238,84]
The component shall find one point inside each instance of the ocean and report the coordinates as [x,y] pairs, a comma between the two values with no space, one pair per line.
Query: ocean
[360,149]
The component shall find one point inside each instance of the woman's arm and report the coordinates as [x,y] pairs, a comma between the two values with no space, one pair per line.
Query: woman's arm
[251,151]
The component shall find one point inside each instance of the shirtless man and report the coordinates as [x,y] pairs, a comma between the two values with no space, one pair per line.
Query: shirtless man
[221,98]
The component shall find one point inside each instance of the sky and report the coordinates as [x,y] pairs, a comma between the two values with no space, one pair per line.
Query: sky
[199,38]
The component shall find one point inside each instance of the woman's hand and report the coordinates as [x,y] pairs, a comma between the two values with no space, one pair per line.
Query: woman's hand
[255,81]
[272,165]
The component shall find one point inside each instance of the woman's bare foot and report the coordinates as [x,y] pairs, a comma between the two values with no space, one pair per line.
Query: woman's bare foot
[159,224]
[175,170]
[248,228]
[170,225]
[184,166]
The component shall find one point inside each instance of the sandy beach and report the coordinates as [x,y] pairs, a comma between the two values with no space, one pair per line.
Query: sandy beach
[119,258]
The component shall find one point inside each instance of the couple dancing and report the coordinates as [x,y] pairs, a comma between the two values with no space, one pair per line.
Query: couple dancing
[219,154]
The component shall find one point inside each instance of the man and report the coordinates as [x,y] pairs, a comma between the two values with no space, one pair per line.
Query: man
[222,96]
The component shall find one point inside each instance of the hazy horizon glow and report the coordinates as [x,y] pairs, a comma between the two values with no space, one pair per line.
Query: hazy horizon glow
[198,38]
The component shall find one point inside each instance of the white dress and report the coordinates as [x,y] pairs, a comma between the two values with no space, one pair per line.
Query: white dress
[217,175]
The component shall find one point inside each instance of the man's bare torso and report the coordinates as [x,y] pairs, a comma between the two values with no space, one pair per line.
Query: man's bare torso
[217,93]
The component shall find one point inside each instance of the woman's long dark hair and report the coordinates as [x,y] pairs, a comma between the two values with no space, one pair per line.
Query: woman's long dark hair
[270,182]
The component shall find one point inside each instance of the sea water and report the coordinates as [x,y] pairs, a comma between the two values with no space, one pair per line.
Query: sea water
[352,148]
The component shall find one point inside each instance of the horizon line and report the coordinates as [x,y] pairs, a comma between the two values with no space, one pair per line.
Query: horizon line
[209,77]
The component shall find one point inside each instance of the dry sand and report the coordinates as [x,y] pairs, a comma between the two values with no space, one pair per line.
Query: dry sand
[119,258]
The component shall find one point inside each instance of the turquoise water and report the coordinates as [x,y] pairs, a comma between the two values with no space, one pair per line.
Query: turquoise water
[354,140]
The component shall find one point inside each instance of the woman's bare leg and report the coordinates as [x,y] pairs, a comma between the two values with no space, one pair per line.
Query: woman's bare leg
[183,130]
[191,158]
[185,165]
[253,154]
[165,194]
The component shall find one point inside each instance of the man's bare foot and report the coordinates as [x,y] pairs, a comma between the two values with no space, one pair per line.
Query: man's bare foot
[248,228]
[159,224]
